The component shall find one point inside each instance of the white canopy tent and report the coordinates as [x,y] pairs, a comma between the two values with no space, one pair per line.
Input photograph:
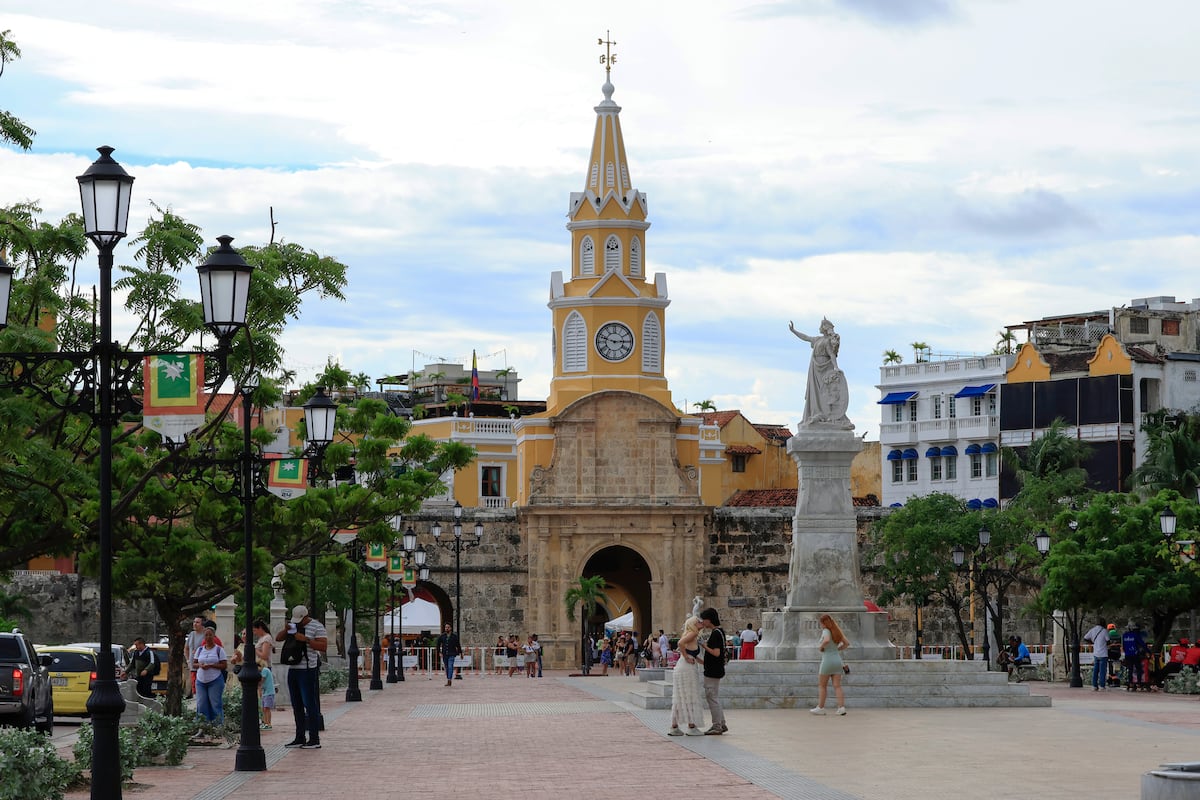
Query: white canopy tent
[621,623]
[418,615]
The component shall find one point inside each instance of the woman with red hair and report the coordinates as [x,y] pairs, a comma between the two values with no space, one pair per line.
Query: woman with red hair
[833,642]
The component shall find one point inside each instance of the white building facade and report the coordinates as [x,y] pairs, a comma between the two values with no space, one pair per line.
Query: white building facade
[940,429]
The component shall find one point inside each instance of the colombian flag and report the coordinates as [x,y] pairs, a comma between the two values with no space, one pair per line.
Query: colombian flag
[288,477]
[474,378]
[174,384]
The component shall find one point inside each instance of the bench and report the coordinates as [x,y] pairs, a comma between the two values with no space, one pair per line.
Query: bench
[1025,672]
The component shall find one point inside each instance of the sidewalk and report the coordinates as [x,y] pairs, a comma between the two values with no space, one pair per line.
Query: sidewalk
[559,737]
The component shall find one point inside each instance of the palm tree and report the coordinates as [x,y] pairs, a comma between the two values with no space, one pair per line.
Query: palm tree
[361,381]
[892,357]
[585,592]
[920,351]
[1006,342]
[1172,455]
[704,405]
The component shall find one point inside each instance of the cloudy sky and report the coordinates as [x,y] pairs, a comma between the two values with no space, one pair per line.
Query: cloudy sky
[916,170]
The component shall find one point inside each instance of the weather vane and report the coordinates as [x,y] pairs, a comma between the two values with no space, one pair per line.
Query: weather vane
[609,58]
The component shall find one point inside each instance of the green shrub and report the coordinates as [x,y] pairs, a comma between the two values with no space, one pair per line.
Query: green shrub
[31,767]
[332,680]
[160,736]
[1186,682]
[127,741]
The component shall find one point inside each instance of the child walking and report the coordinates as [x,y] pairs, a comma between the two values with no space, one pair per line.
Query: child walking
[267,687]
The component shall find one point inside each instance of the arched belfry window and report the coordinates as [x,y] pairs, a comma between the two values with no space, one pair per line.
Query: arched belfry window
[635,257]
[612,254]
[575,343]
[651,344]
[595,174]
[587,257]
[610,175]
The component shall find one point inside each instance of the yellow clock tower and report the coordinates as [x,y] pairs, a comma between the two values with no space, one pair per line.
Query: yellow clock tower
[608,318]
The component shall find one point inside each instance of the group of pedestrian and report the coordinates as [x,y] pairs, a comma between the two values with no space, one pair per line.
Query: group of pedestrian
[518,656]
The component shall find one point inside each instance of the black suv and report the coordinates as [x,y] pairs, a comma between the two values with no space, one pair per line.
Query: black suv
[25,696]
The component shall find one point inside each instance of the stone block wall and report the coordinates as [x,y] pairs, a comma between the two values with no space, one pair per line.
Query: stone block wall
[66,608]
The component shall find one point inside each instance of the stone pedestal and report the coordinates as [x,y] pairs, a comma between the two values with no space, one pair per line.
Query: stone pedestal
[823,576]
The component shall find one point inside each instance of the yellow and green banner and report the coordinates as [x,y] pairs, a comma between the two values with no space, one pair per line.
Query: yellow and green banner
[288,477]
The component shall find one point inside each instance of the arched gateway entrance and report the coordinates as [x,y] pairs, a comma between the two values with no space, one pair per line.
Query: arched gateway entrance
[627,581]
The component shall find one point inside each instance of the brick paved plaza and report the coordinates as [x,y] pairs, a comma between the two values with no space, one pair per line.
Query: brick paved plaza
[562,737]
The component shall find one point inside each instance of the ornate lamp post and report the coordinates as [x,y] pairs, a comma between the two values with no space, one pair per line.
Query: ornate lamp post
[458,544]
[376,649]
[250,754]
[978,572]
[408,541]
[353,693]
[98,375]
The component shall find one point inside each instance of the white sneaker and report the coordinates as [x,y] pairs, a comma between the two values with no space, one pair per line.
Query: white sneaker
[694,732]
[841,712]
[820,712]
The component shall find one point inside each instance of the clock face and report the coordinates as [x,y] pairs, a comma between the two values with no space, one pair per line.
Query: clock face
[614,342]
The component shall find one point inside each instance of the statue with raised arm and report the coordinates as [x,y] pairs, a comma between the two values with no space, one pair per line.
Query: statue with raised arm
[827,395]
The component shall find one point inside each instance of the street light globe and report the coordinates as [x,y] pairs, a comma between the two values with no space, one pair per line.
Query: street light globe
[320,418]
[224,289]
[1167,522]
[104,192]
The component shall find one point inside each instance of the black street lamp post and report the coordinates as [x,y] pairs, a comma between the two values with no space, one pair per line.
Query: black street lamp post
[250,754]
[353,692]
[458,544]
[376,647]
[978,574]
[408,544]
[98,376]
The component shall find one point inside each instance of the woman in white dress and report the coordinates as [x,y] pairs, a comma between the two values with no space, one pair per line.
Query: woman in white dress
[833,642]
[687,690]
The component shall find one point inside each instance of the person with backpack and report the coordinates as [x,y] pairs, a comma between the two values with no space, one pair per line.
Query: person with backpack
[304,639]
[143,665]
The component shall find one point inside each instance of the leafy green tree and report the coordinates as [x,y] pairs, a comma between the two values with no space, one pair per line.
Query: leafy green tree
[12,130]
[585,593]
[910,550]
[177,511]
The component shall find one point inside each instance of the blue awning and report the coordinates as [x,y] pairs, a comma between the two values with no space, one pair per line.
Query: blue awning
[991,503]
[974,505]
[933,452]
[988,447]
[976,391]
[895,398]
[971,450]
[896,505]
[909,453]
[950,451]
[895,455]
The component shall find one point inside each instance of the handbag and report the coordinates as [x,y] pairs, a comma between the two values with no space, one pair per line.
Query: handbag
[293,652]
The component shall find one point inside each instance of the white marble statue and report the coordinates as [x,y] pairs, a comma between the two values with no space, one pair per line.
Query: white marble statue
[826,396]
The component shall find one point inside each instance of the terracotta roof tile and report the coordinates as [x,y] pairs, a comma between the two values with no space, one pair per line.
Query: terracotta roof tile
[719,418]
[777,433]
[763,498]
[743,449]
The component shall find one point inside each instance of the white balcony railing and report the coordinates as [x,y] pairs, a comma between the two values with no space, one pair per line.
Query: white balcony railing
[494,502]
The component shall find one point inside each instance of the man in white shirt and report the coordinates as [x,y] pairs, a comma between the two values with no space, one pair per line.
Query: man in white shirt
[1098,636]
[749,642]
[195,639]
[302,677]
[664,647]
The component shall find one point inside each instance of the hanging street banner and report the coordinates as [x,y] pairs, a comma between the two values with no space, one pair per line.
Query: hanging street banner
[377,557]
[288,477]
[401,570]
[173,396]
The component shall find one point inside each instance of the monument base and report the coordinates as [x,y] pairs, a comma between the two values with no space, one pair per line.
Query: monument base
[793,634]
[927,683]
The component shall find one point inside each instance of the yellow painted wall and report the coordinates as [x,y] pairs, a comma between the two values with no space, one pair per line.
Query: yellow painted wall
[1110,358]
[1028,366]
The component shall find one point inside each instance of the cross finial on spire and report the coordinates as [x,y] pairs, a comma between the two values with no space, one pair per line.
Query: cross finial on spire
[609,58]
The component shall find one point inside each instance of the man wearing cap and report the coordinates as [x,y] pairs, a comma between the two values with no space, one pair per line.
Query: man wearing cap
[302,677]
[1098,636]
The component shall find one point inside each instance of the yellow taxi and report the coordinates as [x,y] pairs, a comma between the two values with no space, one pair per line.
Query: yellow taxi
[72,674]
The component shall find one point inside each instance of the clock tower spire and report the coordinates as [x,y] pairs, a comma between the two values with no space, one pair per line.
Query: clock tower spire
[609,319]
